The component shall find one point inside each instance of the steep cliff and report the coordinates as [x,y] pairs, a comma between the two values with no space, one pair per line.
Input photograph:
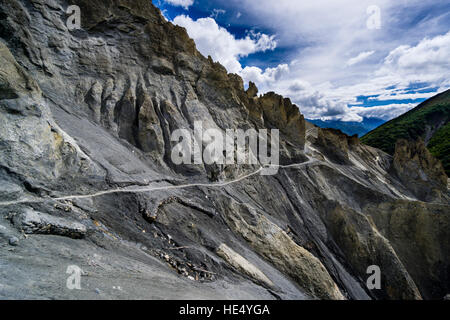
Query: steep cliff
[87,178]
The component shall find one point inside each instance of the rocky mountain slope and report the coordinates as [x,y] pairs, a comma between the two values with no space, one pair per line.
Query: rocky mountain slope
[87,181]
[429,121]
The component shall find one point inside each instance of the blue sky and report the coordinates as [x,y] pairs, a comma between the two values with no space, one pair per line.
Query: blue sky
[340,60]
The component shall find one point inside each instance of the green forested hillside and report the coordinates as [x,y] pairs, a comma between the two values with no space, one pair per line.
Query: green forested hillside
[440,146]
[429,120]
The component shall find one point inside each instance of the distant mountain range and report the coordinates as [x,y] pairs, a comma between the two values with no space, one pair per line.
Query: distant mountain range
[351,128]
[429,120]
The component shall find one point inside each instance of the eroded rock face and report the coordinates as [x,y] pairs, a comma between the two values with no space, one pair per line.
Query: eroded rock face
[283,114]
[275,245]
[417,168]
[150,136]
[252,90]
[242,264]
[335,145]
[86,119]
[418,232]
[363,245]
[14,82]
[37,155]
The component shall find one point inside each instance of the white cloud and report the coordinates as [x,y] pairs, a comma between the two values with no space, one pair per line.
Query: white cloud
[327,33]
[385,112]
[222,46]
[403,96]
[318,107]
[360,57]
[216,12]
[428,61]
[316,75]
[264,78]
[181,3]
[164,14]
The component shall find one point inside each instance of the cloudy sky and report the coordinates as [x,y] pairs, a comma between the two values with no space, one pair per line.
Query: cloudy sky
[340,60]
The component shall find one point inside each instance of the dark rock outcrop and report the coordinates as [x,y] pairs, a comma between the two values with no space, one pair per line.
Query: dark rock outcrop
[419,170]
[335,145]
[32,222]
